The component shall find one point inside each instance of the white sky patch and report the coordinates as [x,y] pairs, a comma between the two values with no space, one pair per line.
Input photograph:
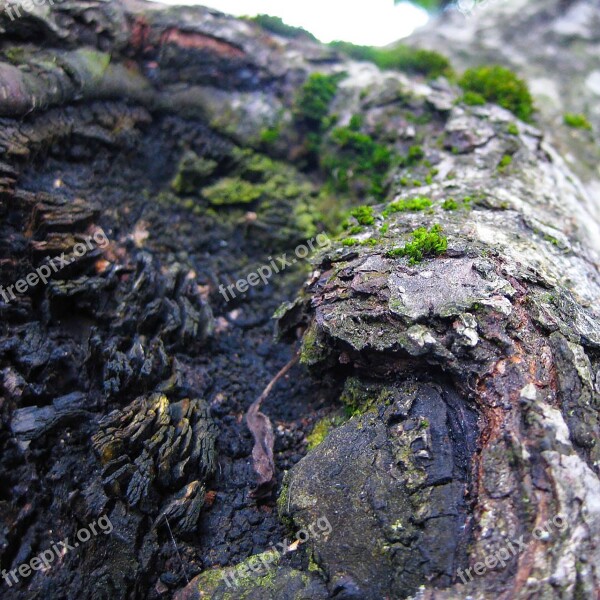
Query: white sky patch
[369,22]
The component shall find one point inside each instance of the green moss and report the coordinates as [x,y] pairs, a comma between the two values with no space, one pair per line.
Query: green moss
[192,173]
[384,228]
[414,155]
[314,98]
[318,434]
[550,238]
[577,121]
[350,241]
[429,177]
[410,205]
[425,243]
[473,99]
[313,566]
[399,58]
[285,202]
[356,397]
[360,396]
[354,160]
[321,430]
[312,348]
[16,55]
[370,242]
[270,135]
[311,111]
[283,502]
[450,204]
[279,27]
[418,119]
[512,129]
[247,580]
[208,581]
[363,214]
[232,190]
[96,63]
[505,162]
[415,60]
[500,85]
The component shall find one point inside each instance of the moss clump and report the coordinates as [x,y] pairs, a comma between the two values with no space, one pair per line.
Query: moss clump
[314,98]
[512,129]
[311,111]
[355,161]
[192,173]
[505,162]
[500,85]
[283,502]
[425,243]
[370,242]
[284,202]
[577,121]
[357,397]
[360,396]
[410,205]
[414,155]
[318,434]
[354,230]
[270,135]
[473,99]
[95,63]
[15,55]
[399,58]
[350,241]
[321,430]
[450,204]
[313,349]
[429,177]
[363,214]
[550,238]
[279,27]
[232,190]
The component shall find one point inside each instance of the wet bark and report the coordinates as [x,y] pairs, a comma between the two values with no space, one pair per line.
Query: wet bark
[461,388]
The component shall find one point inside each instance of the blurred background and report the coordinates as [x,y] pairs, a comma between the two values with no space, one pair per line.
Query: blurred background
[376,23]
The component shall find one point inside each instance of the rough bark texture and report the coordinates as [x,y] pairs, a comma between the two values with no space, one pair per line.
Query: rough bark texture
[458,381]
[554,45]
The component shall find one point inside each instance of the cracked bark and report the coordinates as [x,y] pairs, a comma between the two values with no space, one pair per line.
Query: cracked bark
[480,366]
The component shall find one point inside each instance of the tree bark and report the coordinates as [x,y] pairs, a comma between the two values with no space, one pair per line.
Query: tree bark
[450,335]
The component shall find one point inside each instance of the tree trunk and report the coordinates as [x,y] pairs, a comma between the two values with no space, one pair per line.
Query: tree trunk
[438,439]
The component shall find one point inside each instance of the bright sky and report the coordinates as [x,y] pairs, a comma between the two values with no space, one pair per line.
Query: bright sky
[369,22]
